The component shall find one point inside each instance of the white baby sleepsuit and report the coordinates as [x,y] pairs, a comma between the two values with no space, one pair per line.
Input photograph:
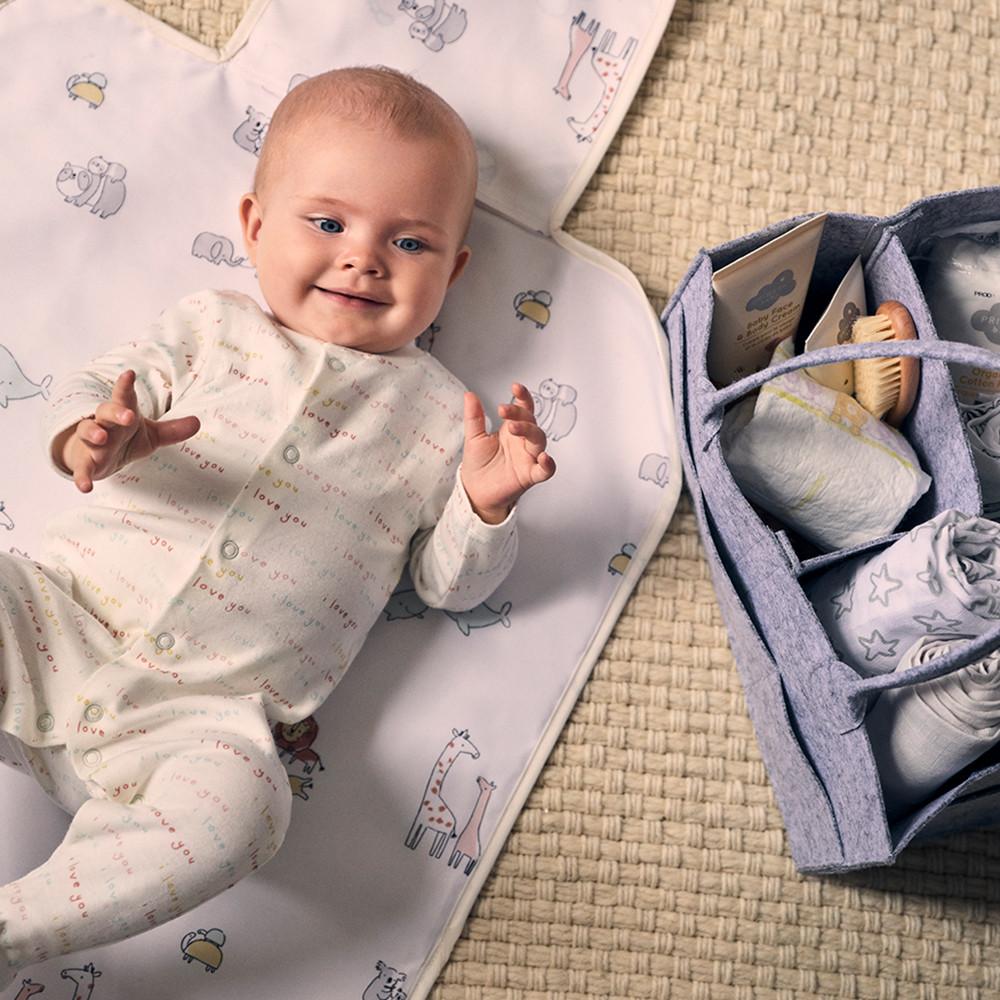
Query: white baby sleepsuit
[214,588]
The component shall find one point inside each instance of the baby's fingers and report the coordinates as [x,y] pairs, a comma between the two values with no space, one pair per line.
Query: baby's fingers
[91,432]
[509,411]
[532,435]
[544,468]
[111,414]
[523,397]
[123,391]
[83,473]
[173,431]
[474,416]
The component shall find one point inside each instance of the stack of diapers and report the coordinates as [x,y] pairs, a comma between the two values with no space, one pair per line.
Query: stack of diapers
[817,460]
[134,145]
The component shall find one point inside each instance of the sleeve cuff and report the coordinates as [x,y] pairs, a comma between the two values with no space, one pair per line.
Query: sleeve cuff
[473,521]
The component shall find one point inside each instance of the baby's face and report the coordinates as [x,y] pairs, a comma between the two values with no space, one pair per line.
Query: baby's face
[357,234]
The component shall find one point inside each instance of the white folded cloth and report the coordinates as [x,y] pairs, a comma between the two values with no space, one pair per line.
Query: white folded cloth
[819,462]
[941,578]
[924,733]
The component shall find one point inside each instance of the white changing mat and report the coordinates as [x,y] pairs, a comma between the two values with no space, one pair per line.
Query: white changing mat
[126,150]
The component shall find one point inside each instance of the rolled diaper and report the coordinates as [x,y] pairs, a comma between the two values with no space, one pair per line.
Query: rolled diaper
[941,578]
[819,462]
[923,734]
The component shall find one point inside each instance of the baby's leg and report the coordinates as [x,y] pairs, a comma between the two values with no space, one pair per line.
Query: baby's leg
[182,811]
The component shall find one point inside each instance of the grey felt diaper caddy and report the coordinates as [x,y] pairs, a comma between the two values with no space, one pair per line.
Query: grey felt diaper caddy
[807,706]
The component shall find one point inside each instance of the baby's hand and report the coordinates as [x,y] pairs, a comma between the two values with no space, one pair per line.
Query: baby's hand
[498,468]
[117,434]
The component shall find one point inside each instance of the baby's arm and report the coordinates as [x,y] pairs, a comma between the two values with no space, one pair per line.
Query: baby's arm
[90,436]
[117,433]
[460,560]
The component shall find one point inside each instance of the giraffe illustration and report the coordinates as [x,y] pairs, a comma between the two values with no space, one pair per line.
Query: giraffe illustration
[29,989]
[611,70]
[468,844]
[433,813]
[581,37]
[83,980]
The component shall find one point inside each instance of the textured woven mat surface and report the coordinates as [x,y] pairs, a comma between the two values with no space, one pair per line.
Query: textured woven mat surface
[650,860]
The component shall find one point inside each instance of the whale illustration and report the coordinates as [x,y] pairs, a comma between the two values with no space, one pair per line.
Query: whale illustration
[14,384]
[481,616]
[404,604]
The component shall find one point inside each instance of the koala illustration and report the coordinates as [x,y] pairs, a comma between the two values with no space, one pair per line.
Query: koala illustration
[249,134]
[386,985]
[555,409]
[100,184]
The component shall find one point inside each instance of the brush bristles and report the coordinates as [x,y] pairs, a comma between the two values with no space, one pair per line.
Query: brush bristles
[876,380]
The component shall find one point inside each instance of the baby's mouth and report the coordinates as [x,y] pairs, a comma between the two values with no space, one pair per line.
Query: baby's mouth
[350,297]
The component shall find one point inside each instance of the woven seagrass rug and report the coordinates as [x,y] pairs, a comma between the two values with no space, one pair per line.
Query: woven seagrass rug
[650,862]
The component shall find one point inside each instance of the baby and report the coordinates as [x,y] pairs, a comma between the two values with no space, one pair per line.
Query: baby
[269,476]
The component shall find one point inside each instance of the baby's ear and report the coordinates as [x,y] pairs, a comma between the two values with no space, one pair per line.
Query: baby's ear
[250,220]
[461,259]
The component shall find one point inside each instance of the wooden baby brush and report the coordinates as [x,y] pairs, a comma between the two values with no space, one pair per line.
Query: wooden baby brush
[886,387]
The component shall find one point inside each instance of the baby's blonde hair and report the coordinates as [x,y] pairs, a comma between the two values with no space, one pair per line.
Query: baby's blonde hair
[374,96]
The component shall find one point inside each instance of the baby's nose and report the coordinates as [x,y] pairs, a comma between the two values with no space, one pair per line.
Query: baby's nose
[362,256]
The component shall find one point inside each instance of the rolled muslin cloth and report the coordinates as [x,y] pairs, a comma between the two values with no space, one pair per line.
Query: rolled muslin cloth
[819,462]
[941,578]
[923,734]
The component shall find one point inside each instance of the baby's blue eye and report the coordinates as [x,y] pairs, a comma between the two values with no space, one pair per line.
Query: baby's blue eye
[329,225]
[409,244]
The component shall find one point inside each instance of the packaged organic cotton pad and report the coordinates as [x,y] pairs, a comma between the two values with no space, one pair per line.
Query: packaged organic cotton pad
[960,272]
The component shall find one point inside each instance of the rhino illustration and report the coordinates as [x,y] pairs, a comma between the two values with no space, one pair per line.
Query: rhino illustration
[14,384]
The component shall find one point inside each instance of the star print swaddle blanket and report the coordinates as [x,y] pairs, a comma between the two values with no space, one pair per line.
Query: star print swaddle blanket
[941,578]
[125,153]
[924,733]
